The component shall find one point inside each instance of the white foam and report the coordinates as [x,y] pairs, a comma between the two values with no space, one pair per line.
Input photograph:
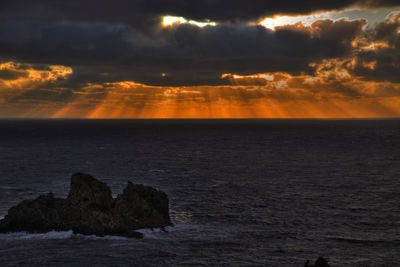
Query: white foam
[107,237]
[159,234]
[148,233]
[49,235]
[55,235]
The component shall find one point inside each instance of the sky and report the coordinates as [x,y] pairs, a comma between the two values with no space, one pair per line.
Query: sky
[199,59]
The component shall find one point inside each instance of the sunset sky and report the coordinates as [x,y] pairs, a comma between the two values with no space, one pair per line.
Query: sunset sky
[199,59]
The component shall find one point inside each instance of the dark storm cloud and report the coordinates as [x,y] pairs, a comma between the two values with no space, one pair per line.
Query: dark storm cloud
[129,11]
[387,66]
[386,59]
[107,41]
[133,10]
[186,53]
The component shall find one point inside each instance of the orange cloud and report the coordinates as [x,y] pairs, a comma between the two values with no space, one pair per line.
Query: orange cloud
[331,92]
[25,77]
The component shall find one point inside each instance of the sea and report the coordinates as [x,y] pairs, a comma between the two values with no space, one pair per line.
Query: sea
[242,192]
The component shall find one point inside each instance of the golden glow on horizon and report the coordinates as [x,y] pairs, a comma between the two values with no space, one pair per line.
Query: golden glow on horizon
[168,21]
[332,92]
[116,105]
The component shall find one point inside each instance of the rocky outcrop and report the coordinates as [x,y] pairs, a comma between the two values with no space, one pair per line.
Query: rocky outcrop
[90,209]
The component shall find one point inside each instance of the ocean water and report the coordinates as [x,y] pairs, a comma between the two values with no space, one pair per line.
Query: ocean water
[242,192]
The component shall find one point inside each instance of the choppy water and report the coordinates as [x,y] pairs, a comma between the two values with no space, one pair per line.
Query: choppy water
[243,192]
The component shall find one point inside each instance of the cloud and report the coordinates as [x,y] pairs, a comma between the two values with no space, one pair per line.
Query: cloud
[378,51]
[141,12]
[187,54]
[121,40]
[16,76]
[65,58]
[332,91]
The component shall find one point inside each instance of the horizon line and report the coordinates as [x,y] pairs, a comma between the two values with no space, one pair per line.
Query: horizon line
[249,118]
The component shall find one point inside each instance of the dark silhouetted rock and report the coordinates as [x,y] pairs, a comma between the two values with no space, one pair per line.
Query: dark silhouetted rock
[321,262]
[142,207]
[90,209]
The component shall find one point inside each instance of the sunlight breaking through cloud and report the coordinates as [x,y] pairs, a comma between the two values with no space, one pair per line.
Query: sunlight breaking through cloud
[349,14]
[172,20]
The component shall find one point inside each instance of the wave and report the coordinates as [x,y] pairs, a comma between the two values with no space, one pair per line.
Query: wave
[159,234]
[54,235]
[148,233]
[28,236]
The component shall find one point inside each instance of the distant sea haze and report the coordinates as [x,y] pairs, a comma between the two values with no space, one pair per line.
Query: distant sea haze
[242,192]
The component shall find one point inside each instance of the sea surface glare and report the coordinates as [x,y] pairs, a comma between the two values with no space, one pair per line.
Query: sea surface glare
[242,192]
